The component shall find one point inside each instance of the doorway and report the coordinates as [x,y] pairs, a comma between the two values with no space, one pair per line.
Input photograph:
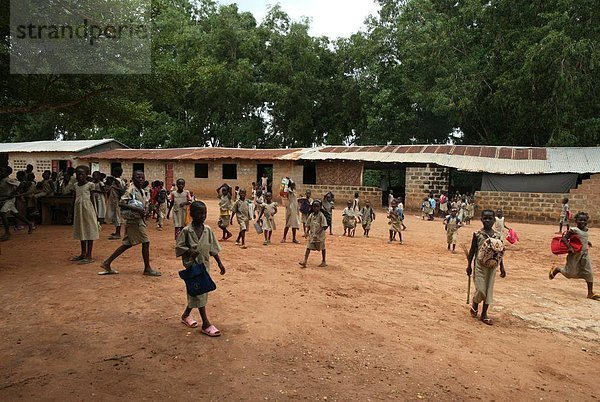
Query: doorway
[268,169]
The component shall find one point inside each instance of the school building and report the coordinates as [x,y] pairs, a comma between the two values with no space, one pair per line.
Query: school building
[527,183]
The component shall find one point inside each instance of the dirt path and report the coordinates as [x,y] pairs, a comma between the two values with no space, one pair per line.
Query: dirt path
[382,321]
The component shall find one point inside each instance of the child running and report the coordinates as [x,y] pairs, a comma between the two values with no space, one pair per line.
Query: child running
[395,217]
[564,215]
[367,217]
[452,223]
[349,219]
[241,210]
[85,221]
[268,210]
[579,265]
[195,245]
[486,249]
[317,227]
[225,205]
[180,199]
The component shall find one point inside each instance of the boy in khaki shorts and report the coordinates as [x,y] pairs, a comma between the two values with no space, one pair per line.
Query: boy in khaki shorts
[135,226]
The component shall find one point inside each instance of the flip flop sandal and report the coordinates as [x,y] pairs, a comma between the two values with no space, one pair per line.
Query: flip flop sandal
[152,273]
[487,321]
[211,331]
[108,272]
[551,274]
[189,322]
[295,241]
[77,258]
[473,312]
[243,246]
[85,261]
[595,296]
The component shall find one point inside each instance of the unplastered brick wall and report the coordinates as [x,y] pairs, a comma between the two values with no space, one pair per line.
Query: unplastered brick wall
[420,180]
[343,193]
[543,207]
[345,173]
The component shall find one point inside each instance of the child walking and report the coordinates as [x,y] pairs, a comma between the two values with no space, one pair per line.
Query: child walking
[292,218]
[452,223]
[565,213]
[85,221]
[395,217]
[367,217]
[268,210]
[317,227]
[349,219]
[487,252]
[241,210]
[225,205]
[195,245]
[180,199]
[579,265]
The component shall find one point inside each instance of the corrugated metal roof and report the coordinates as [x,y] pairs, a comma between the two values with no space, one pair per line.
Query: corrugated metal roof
[196,154]
[54,146]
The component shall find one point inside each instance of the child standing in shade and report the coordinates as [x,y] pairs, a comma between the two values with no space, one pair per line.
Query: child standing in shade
[317,227]
[484,242]
[565,212]
[241,211]
[579,265]
[452,223]
[292,218]
[195,245]
[305,206]
[180,199]
[328,207]
[225,205]
[115,192]
[268,210]
[368,216]
[395,217]
[85,222]
[99,195]
[349,219]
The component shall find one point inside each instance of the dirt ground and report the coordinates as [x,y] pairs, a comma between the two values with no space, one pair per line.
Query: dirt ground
[381,322]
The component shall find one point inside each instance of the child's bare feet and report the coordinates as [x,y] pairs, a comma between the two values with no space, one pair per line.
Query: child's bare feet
[323,264]
[302,264]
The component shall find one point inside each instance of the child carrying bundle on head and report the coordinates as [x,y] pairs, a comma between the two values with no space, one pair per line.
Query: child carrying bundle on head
[317,228]
[241,210]
[195,245]
[180,199]
[487,250]
[349,220]
[579,265]
[367,217]
[452,223]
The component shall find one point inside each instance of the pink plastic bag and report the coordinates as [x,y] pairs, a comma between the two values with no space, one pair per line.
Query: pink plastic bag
[512,236]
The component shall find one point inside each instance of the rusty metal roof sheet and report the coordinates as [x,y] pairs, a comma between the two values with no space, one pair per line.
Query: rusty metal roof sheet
[196,154]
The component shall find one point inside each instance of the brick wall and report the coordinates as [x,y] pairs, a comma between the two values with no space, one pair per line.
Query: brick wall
[543,207]
[420,180]
[33,158]
[339,173]
[343,193]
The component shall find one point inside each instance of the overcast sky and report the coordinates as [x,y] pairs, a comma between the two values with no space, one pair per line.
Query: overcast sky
[333,18]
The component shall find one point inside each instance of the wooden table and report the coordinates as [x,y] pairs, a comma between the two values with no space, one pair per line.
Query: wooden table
[56,202]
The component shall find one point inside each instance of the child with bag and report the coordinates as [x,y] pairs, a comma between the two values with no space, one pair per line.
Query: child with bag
[487,249]
[195,245]
[579,264]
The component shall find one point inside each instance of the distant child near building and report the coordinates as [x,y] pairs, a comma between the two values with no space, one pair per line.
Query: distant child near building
[401,206]
[431,209]
[161,205]
[195,245]
[85,222]
[99,195]
[115,192]
[349,219]
[500,225]
[268,210]
[452,223]
[251,200]
[225,205]
[259,199]
[487,250]
[241,210]
[367,217]
[469,211]
[292,215]
[328,207]
[395,217]
[7,202]
[425,206]
[305,206]
[356,203]
[579,265]
[443,204]
[317,227]
[180,200]
[565,214]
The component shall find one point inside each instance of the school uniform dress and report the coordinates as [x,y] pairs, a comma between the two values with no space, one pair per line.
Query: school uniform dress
[85,221]
[225,206]
[135,228]
[579,265]
[395,222]
[452,225]
[484,277]
[292,219]
[99,200]
[207,245]
[113,212]
[268,221]
[367,217]
[349,218]
[327,209]
[241,209]
[316,233]
[179,212]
